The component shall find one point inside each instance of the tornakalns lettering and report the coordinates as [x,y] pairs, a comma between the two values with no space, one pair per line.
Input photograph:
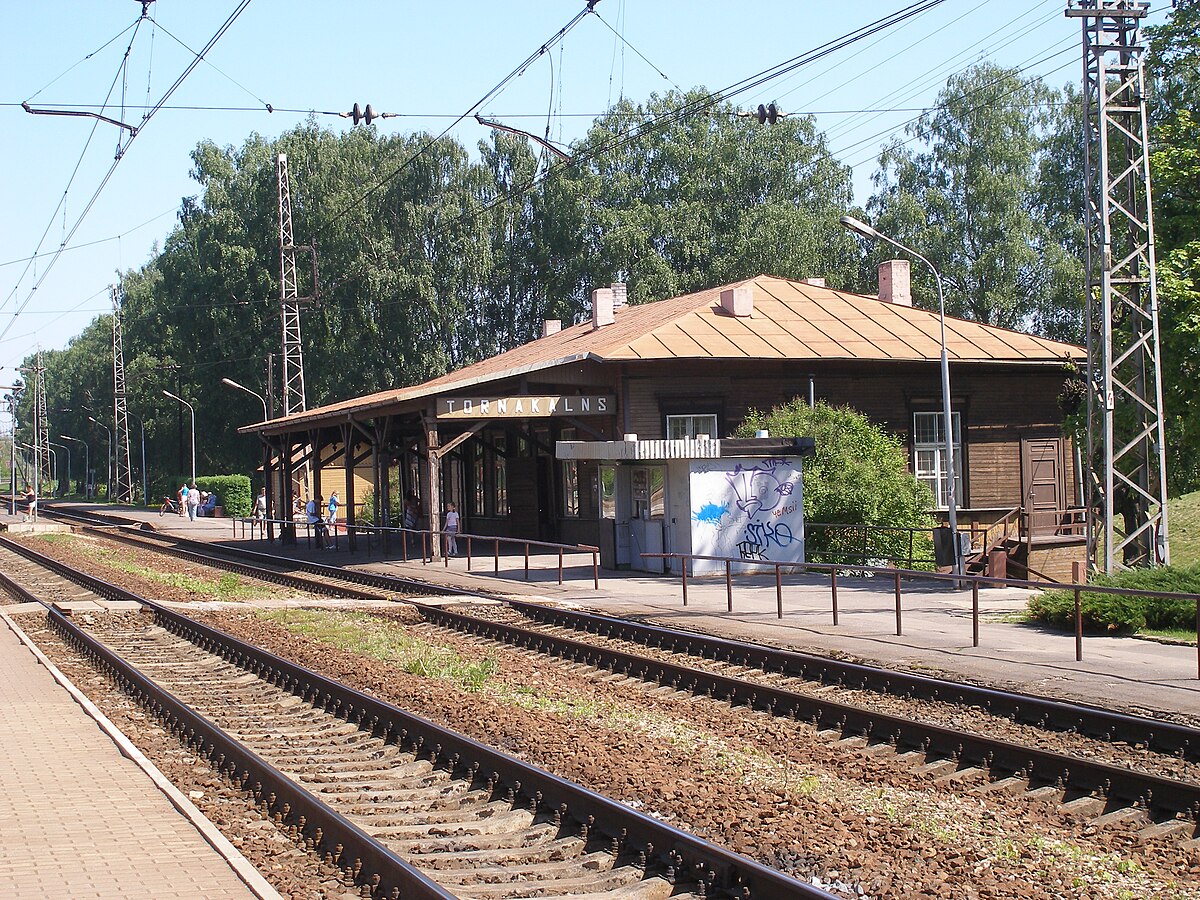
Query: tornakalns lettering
[524,406]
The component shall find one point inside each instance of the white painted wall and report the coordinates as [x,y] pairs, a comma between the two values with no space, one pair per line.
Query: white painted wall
[749,508]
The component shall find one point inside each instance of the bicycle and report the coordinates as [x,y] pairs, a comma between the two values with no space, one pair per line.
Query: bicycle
[170,505]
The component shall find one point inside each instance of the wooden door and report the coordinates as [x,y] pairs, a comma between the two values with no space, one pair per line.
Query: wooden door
[1043,490]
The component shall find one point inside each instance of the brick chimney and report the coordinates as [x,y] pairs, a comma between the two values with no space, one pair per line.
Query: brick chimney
[895,282]
[738,301]
[602,307]
[551,326]
[620,294]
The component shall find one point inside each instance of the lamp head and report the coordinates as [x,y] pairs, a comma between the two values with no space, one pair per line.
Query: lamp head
[230,382]
[852,224]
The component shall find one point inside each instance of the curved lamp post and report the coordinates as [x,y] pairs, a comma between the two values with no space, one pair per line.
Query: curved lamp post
[87,460]
[242,387]
[167,393]
[61,492]
[108,480]
[862,228]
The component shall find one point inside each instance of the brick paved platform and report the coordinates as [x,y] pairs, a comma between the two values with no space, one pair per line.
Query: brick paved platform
[79,819]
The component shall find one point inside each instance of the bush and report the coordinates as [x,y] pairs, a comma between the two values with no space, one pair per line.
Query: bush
[233,492]
[1115,613]
[859,477]
[366,514]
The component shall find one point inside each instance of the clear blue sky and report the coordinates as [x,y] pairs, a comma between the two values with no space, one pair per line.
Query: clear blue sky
[430,62]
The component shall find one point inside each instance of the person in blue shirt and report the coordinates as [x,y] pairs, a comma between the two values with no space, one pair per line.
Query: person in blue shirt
[334,503]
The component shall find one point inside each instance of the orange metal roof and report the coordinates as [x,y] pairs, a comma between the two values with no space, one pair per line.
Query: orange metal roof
[792,320]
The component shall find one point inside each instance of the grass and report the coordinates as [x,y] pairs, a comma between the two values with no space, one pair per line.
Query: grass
[367,635]
[1183,519]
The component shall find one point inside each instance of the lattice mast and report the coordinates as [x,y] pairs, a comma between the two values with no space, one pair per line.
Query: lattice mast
[41,427]
[1126,451]
[123,489]
[290,299]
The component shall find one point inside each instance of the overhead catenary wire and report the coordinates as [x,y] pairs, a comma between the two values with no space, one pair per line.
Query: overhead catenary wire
[225,26]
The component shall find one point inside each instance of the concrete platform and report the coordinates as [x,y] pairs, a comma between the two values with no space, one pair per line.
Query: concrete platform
[1123,672]
[83,814]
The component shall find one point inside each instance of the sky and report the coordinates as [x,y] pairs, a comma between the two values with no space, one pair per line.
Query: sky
[430,63]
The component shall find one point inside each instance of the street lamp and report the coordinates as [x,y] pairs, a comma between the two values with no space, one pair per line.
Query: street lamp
[242,387]
[862,228]
[145,483]
[68,449]
[108,482]
[167,393]
[87,461]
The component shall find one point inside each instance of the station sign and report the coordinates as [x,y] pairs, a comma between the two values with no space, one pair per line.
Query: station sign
[525,406]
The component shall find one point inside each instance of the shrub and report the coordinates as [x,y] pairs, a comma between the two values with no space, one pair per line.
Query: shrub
[233,492]
[365,515]
[859,477]
[1116,613]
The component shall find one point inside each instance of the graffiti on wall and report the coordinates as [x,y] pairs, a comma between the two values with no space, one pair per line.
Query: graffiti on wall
[751,509]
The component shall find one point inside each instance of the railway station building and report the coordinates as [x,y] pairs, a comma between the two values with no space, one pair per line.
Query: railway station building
[502,438]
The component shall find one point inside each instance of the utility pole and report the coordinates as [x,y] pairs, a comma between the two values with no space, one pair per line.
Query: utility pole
[41,427]
[1125,438]
[290,303]
[124,486]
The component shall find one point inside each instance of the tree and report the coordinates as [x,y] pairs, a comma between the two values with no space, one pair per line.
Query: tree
[1174,75]
[859,476]
[969,198]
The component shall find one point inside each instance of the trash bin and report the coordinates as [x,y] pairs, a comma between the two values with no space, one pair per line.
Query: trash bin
[943,548]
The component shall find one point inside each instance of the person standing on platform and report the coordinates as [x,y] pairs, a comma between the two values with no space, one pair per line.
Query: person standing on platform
[334,503]
[193,502]
[182,493]
[451,530]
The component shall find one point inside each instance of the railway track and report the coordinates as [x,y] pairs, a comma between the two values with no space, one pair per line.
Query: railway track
[797,686]
[374,789]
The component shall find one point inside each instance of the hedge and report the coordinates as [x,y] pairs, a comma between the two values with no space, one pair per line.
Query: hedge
[233,491]
[1115,613]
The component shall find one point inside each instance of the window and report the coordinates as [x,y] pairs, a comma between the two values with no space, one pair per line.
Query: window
[500,476]
[929,455]
[570,479]
[679,427]
[608,492]
[478,476]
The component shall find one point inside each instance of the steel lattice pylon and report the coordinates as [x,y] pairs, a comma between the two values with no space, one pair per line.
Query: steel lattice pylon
[1126,452]
[123,490]
[290,299]
[41,428]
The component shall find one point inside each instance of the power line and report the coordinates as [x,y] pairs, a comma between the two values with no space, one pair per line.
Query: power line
[225,26]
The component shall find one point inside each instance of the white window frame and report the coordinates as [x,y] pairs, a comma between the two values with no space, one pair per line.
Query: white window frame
[929,455]
[692,426]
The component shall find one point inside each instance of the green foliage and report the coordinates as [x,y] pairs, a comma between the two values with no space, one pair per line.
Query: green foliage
[396,505]
[233,492]
[977,197]
[859,477]
[1117,613]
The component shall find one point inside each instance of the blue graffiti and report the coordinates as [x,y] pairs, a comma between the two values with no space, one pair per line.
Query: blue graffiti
[711,513]
[763,535]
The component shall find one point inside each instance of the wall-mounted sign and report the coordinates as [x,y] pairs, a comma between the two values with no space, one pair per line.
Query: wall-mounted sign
[525,406]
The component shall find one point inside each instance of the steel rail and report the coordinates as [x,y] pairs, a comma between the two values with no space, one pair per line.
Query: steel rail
[677,855]
[1162,798]
[1159,735]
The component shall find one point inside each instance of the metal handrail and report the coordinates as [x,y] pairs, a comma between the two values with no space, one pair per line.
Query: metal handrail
[975,581]
[381,534]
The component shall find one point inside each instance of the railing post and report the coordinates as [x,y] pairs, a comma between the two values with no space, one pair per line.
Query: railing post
[1078,612]
[833,592]
[468,553]
[596,569]
[975,613]
[778,591]
[560,565]
[405,537]
[496,552]
[729,585]
[1198,638]
[686,560]
[445,556]
[527,560]
[899,631]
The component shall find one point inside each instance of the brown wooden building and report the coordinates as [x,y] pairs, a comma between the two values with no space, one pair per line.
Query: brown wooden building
[485,436]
